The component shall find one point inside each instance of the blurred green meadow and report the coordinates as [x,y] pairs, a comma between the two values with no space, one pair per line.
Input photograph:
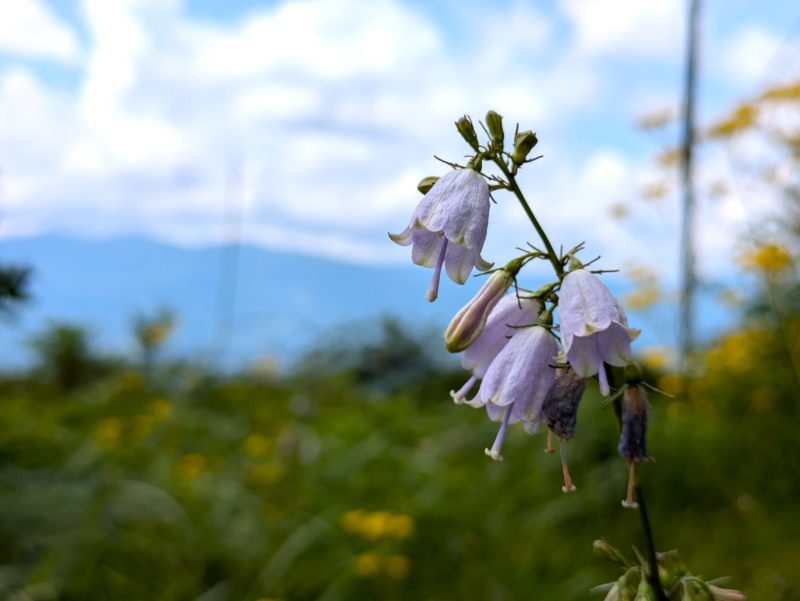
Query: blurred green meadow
[353,476]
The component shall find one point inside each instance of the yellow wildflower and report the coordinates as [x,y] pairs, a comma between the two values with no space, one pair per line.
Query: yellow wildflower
[366,565]
[108,430]
[192,465]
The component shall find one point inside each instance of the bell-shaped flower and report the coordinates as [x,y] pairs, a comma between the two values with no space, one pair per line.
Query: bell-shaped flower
[517,381]
[594,329]
[503,322]
[448,227]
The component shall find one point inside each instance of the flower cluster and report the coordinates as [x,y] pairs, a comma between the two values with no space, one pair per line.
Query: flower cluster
[533,351]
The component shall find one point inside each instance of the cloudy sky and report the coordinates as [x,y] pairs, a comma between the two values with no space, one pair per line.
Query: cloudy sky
[315,119]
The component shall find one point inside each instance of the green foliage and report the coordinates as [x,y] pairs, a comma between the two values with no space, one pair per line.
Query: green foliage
[64,356]
[333,484]
[14,281]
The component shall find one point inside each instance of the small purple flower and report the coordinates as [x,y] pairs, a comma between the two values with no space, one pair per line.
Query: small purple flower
[448,227]
[503,322]
[517,381]
[594,329]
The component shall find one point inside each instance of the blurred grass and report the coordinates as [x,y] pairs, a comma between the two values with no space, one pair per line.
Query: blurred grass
[355,477]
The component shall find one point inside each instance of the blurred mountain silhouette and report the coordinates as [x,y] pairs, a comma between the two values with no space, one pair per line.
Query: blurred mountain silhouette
[233,305]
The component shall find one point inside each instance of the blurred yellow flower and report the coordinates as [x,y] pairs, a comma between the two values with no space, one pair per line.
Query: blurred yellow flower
[377,524]
[400,526]
[397,567]
[108,430]
[192,465]
[744,117]
[161,409]
[655,191]
[130,381]
[670,383]
[351,520]
[366,565]
[256,445]
[766,258]
[655,357]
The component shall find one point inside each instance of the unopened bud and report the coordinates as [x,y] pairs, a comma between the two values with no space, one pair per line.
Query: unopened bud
[467,131]
[426,183]
[523,144]
[606,551]
[726,594]
[494,124]
[468,323]
[645,592]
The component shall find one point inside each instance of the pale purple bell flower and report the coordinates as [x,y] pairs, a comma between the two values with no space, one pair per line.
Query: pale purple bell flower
[517,381]
[594,329]
[503,322]
[448,227]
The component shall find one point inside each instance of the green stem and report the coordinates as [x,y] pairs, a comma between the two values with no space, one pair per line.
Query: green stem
[512,182]
[653,577]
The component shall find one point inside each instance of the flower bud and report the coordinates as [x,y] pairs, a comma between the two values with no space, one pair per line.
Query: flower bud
[467,325]
[426,183]
[726,594]
[523,144]
[645,592]
[606,551]
[467,131]
[494,124]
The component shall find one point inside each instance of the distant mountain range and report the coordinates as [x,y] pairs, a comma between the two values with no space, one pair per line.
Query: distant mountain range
[234,304]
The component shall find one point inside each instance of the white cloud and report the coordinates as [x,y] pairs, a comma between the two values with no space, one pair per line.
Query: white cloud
[746,56]
[29,28]
[632,27]
[335,109]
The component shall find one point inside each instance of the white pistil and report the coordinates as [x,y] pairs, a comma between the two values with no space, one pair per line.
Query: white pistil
[568,485]
[602,377]
[433,288]
[494,452]
[549,448]
[458,397]
[629,501]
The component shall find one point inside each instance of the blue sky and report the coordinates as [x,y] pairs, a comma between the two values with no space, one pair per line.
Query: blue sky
[317,118]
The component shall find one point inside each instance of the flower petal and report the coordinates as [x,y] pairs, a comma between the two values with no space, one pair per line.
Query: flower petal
[500,326]
[404,238]
[459,262]
[426,247]
[586,306]
[584,355]
[615,345]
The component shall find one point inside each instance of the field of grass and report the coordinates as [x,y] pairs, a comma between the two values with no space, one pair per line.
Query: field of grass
[361,480]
